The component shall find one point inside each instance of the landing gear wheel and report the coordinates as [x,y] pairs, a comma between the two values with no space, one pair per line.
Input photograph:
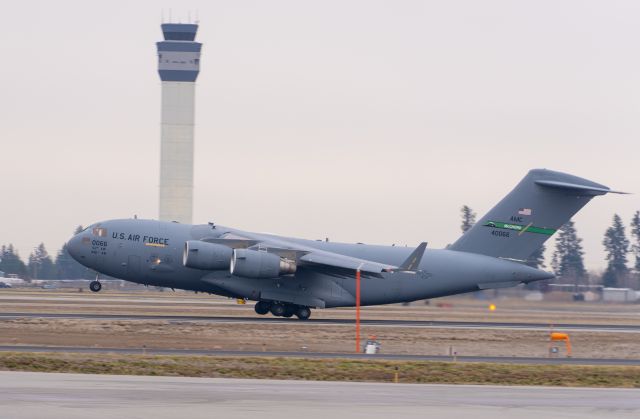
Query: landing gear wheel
[277,310]
[262,307]
[303,313]
[95,286]
[289,311]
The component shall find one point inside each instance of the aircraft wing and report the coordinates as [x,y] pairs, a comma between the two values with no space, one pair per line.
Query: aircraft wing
[239,243]
[335,260]
[315,258]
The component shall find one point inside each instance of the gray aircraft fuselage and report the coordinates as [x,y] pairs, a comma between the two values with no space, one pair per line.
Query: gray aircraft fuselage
[287,275]
[151,252]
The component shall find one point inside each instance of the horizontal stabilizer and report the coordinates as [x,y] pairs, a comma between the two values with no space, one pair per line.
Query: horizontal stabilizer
[580,189]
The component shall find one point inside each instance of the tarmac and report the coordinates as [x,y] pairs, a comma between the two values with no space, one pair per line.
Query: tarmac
[322,355]
[603,328]
[57,396]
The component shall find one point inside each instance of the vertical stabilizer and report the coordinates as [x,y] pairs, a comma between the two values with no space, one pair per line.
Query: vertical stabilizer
[531,213]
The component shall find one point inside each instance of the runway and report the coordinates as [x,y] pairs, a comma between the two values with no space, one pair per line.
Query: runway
[57,396]
[323,355]
[603,328]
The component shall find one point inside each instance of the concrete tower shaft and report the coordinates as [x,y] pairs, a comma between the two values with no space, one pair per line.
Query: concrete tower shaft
[178,66]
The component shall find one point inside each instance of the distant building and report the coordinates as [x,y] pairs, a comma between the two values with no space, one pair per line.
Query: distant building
[620,295]
[178,66]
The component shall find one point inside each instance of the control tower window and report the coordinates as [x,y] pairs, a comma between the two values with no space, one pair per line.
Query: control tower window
[179,36]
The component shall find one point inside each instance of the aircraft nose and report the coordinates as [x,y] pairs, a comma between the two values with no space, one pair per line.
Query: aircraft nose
[74,247]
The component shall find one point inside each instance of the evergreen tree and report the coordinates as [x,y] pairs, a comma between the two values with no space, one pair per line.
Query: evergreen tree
[67,267]
[64,264]
[40,264]
[616,245]
[10,262]
[635,233]
[468,218]
[536,260]
[568,261]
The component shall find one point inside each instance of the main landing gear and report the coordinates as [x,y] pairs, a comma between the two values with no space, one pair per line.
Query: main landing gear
[95,286]
[283,310]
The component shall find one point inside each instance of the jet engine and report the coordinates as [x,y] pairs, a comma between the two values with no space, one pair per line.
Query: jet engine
[202,255]
[259,264]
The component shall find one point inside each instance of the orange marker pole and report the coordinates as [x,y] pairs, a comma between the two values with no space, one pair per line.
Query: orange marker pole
[358,311]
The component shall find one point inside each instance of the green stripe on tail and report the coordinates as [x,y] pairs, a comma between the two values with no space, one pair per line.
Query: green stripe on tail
[520,228]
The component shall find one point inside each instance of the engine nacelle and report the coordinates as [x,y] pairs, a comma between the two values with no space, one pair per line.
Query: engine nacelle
[202,255]
[257,264]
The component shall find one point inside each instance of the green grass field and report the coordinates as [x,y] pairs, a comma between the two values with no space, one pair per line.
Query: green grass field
[325,369]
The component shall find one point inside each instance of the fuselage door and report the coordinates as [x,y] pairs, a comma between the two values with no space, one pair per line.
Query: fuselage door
[133,267]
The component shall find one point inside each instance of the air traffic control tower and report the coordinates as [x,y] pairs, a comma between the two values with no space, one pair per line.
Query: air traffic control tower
[178,66]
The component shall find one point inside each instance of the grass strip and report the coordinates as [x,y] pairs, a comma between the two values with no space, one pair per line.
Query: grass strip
[324,369]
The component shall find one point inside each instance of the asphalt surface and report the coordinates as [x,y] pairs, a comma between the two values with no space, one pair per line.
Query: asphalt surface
[70,396]
[320,355]
[613,328]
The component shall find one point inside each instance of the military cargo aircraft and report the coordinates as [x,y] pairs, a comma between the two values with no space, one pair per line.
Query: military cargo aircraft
[289,276]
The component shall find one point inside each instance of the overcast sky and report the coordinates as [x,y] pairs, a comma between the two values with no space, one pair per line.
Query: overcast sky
[371,121]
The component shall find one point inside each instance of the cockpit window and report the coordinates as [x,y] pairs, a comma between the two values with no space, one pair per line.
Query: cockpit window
[100,231]
[90,227]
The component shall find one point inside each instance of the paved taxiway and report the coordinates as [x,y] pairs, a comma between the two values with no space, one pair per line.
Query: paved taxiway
[604,328]
[322,355]
[37,395]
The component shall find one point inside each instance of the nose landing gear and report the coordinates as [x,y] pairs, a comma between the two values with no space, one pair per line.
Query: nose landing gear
[283,310]
[95,286]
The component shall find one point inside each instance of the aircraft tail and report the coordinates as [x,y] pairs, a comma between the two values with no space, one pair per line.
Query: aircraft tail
[531,213]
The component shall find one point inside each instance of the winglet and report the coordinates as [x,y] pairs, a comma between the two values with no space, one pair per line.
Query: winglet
[413,261]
